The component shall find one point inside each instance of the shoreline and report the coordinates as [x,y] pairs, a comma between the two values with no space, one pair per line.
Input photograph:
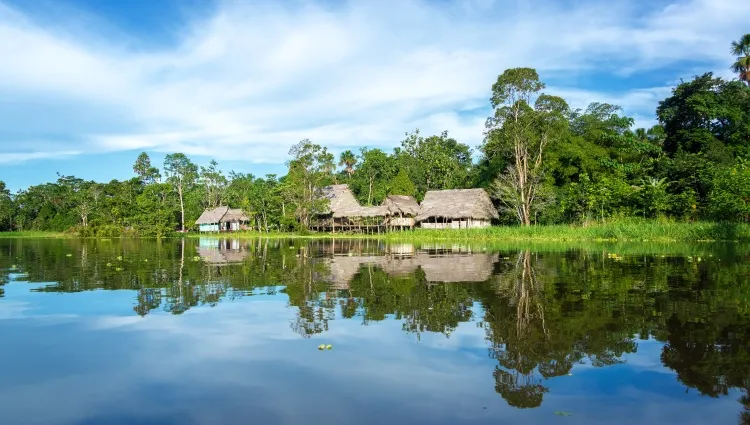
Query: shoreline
[622,231]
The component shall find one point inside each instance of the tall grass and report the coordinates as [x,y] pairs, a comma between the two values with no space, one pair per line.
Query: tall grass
[624,230]
[631,230]
[33,234]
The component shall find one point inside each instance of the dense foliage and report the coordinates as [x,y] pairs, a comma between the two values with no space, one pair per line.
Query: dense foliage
[542,162]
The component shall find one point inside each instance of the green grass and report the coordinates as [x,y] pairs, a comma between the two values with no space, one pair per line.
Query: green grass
[632,230]
[619,231]
[33,234]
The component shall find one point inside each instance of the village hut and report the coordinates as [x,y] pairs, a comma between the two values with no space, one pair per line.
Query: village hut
[456,209]
[401,210]
[343,212]
[222,219]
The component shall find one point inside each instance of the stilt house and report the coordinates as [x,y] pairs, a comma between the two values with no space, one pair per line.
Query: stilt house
[456,209]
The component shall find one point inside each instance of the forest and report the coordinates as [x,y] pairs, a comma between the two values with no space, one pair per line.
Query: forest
[541,161]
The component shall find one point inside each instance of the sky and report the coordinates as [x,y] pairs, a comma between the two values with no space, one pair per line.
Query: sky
[86,85]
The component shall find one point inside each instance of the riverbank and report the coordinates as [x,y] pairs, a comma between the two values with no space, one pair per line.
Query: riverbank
[623,231]
[619,231]
[35,235]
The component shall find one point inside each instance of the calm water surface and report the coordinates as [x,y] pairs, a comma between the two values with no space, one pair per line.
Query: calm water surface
[227,332]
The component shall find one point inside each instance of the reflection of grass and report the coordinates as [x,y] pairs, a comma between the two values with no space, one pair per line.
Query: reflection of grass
[32,234]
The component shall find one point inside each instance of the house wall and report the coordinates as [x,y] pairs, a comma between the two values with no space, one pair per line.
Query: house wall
[208,227]
[467,223]
[401,221]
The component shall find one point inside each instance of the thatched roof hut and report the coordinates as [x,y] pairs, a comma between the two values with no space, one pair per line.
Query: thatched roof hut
[213,216]
[221,218]
[235,216]
[401,205]
[341,201]
[456,208]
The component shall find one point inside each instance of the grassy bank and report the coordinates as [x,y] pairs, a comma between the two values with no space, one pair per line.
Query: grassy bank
[33,234]
[619,231]
[622,231]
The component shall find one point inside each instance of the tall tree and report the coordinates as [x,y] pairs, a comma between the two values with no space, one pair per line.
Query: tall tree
[435,162]
[741,50]
[181,174]
[146,173]
[7,208]
[375,170]
[348,160]
[214,184]
[402,184]
[309,169]
[523,124]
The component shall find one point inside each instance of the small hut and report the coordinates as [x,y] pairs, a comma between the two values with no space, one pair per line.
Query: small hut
[222,219]
[456,209]
[343,212]
[400,210]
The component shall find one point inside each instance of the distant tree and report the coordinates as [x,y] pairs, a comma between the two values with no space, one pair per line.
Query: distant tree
[181,174]
[741,50]
[309,169]
[435,162]
[402,185]
[146,173]
[523,125]
[7,208]
[214,184]
[375,169]
[348,160]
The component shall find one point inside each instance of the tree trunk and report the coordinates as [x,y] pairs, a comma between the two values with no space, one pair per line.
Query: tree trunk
[182,209]
[369,193]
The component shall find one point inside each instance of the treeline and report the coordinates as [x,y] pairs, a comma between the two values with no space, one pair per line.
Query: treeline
[542,162]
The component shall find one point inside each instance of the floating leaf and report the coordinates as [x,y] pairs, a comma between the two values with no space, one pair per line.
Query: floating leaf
[321,347]
[329,346]
[558,413]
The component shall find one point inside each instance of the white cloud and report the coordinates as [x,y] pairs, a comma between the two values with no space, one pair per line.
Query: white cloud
[253,78]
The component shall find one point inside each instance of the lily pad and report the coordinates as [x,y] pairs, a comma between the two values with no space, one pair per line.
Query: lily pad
[321,347]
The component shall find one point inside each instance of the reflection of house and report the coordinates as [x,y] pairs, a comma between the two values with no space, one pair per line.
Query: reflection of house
[401,210]
[219,252]
[342,212]
[456,209]
[222,219]
[437,268]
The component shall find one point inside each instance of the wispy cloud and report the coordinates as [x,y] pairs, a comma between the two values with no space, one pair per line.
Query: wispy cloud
[253,78]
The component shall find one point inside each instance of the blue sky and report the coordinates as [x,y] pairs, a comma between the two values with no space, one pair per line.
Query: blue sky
[86,85]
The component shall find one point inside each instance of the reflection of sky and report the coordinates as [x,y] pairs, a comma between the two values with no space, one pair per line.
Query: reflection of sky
[86,358]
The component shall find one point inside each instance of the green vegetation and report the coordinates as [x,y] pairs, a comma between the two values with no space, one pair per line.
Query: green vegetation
[633,230]
[582,174]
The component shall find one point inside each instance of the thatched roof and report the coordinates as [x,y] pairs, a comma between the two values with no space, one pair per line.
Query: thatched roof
[234,215]
[456,204]
[341,200]
[342,203]
[212,216]
[221,215]
[401,204]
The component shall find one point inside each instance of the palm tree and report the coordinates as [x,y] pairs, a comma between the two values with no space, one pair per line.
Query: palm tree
[741,49]
[348,160]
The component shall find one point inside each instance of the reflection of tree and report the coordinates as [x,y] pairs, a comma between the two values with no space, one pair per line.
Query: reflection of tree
[543,312]
[744,417]
[518,334]
[148,299]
